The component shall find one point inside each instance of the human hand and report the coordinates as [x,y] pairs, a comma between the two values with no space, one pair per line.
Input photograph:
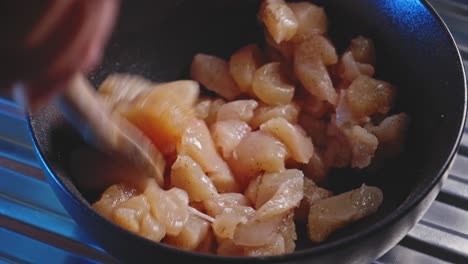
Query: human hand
[44,43]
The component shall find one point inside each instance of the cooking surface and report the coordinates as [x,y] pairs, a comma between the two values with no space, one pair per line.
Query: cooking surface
[35,228]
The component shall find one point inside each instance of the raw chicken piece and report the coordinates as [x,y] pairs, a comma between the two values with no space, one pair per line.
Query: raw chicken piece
[287,229]
[213,73]
[207,109]
[118,88]
[199,206]
[237,110]
[197,143]
[311,105]
[243,64]
[186,174]
[264,113]
[252,189]
[317,45]
[363,50]
[112,197]
[151,228]
[163,114]
[310,69]
[202,108]
[256,233]
[271,85]
[226,223]
[338,153]
[188,88]
[316,169]
[225,202]
[227,135]
[391,133]
[344,114]
[367,96]
[279,19]
[278,193]
[191,236]
[170,208]
[279,52]
[363,146]
[293,136]
[227,248]
[257,152]
[312,20]
[129,214]
[208,244]
[312,193]
[275,248]
[332,213]
[349,69]
[126,218]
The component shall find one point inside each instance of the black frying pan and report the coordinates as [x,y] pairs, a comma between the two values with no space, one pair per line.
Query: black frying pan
[415,51]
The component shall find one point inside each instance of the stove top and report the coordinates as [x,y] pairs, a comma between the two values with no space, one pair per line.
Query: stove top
[35,228]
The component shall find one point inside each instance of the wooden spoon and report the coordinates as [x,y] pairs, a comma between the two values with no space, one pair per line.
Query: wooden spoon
[107,130]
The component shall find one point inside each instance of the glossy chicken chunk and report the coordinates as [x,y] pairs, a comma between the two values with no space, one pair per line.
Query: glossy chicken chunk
[310,59]
[363,50]
[226,223]
[312,20]
[118,89]
[237,110]
[287,230]
[367,96]
[312,194]
[170,207]
[272,86]
[213,73]
[243,64]
[363,146]
[391,133]
[151,228]
[263,113]
[192,235]
[330,214]
[315,107]
[129,214]
[207,109]
[257,152]
[122,205]
[278,19]
[112,197]
[294,138]
[278,193]
[225,202]
[186,174]
[349,69]
[316,169]
[276,247]
[256,233]
[197,143]
[228,134]
[227,247]
[163,114]
[338,152]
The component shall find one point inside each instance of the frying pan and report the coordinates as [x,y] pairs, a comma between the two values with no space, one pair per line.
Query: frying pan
[415,51]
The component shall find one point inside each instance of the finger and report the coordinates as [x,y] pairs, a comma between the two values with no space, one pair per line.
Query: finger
[85,31]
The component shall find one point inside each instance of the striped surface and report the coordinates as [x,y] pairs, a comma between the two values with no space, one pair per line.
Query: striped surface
[35,228]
